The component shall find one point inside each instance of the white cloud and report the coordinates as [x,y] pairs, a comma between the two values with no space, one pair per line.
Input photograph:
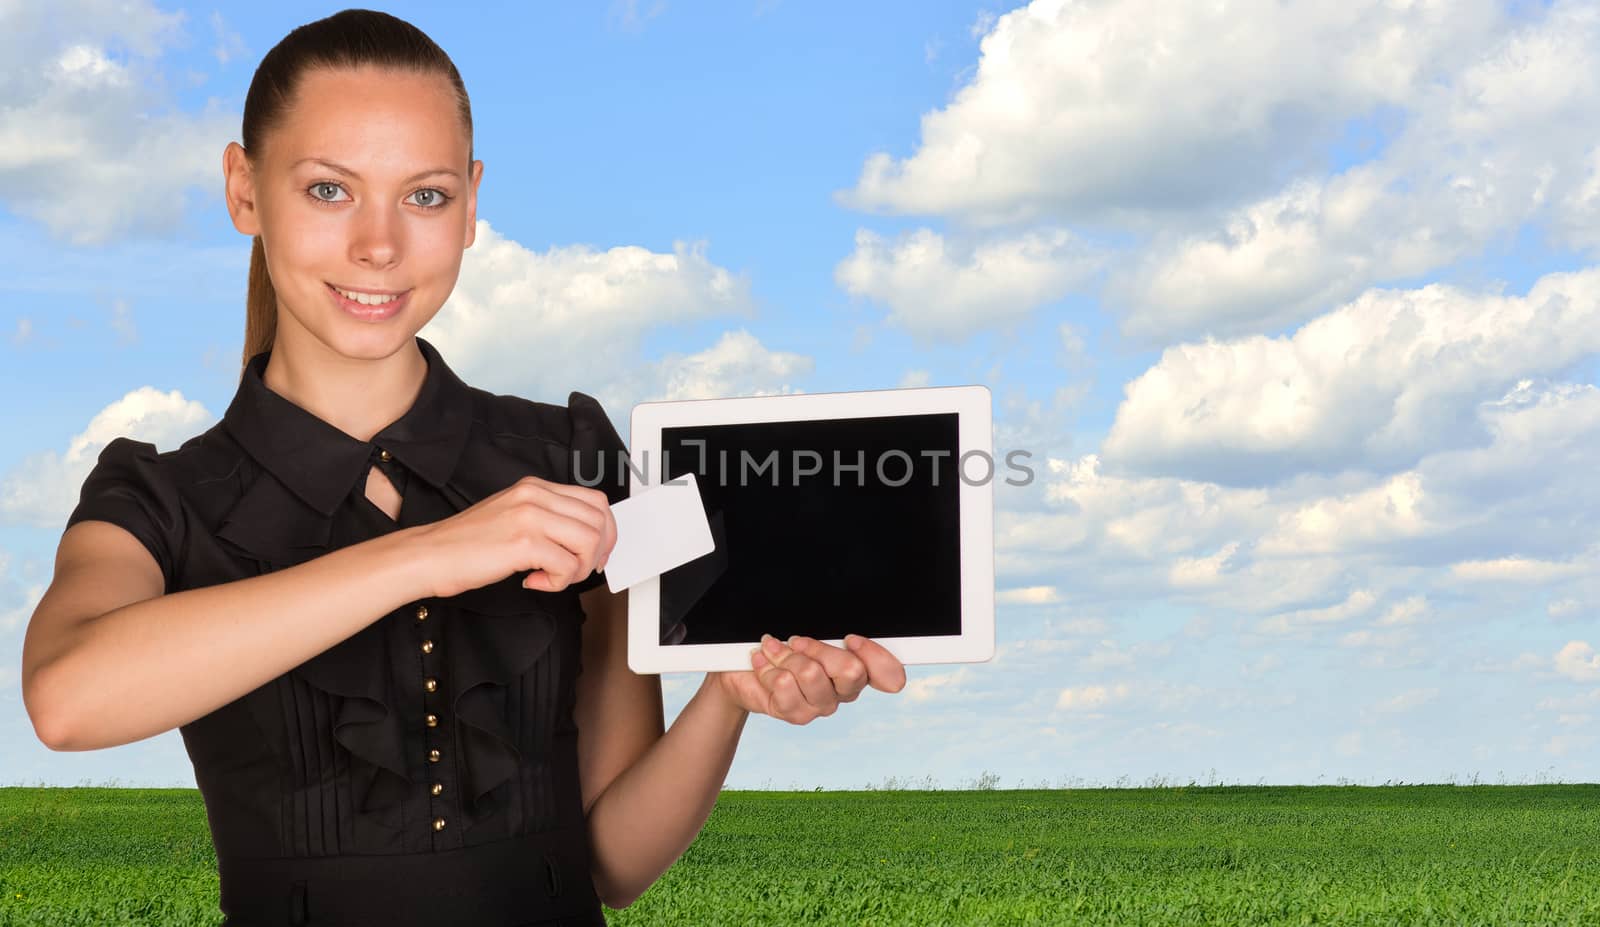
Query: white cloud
[538,324]
[938,685]
[1201,571]
[982,24]
[1577,660]
[92,145]
[1521,662]
[1499,142]
[1389,511]
[1110,654]
[1087,112]
[1358,602]
[1563,744]
[1312,552]
[1374,384]
[737,365]
[1259,667]
[1407,700]
[43,488]
[1028,595]
[13,618]
[1582,701]
[1206,127]
[1079,626]
[1518,570]
[1405,612]
[937,290]
[1145,516]
[626,15]
[1091,698]
[230,44]
[1564,607]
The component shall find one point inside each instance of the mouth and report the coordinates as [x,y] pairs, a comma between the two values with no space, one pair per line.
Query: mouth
[368,292]
[370,305]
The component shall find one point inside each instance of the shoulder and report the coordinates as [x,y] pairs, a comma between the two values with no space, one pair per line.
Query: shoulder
[205,475]
[574,443]
[139,464]
[151,494]
[572,425]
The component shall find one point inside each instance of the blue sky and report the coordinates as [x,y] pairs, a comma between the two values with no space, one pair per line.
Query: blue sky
[1296,315]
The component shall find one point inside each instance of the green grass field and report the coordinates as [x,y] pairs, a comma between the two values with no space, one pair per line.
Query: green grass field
[1428,854]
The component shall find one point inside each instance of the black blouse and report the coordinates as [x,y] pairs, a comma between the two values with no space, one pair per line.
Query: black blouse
[423,770]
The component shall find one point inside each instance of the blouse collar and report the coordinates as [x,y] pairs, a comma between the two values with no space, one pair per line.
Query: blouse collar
[320,463]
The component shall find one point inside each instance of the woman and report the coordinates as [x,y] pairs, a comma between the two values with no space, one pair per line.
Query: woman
[365,596]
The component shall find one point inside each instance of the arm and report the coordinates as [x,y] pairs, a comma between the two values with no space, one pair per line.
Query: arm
[137,670]
[630,770]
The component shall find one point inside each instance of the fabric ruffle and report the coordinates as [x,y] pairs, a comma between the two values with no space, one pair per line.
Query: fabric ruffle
[501,631]
[272,525]
[497,632]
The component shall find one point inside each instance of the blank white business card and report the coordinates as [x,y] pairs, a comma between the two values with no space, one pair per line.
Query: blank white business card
[660,528]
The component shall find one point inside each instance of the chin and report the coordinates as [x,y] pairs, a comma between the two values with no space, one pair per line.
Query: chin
[366,340]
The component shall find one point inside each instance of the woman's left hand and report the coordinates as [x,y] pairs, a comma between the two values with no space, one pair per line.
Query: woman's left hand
[809,679]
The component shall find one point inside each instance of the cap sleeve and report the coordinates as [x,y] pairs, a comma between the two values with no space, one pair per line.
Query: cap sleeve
[598,458]
[127,487]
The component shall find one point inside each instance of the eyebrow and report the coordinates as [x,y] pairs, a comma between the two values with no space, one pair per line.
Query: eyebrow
[349,173]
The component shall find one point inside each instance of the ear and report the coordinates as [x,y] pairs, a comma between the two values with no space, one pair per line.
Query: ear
[239,190]
[472,204]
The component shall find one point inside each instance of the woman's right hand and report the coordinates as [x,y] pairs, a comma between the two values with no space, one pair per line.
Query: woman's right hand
[560,531]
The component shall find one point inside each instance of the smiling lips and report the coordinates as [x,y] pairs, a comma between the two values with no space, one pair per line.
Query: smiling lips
[355,294]
[369,306]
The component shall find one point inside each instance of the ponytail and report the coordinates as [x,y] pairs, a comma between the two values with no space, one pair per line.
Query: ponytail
[260,306]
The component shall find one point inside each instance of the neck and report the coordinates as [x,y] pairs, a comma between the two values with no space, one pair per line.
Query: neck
[360,396]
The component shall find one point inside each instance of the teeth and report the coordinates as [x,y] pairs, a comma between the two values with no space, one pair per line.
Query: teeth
[366,299]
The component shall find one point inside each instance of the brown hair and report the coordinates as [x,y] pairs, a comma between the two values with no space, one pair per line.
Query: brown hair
[347,39]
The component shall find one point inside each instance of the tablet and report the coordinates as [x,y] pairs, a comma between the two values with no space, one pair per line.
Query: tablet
[867,512]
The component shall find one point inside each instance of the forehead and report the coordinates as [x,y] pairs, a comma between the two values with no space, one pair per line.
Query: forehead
[370,119]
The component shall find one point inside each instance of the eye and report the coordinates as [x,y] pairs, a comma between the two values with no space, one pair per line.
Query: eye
[435,198]
[322,186]
[438,199]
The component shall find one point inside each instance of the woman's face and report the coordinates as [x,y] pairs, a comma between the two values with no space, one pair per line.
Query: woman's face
[377,225]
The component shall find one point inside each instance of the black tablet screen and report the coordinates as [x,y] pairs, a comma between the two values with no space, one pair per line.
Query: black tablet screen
[823,528]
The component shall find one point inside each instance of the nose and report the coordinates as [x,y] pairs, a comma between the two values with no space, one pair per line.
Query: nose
[376,235]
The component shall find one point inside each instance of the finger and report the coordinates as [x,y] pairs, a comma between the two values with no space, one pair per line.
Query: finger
[813,679]
[845,669]
[599,504]
[782,694]
[608,542]
[785,698]
[885,672]
[554,567]
[573,524]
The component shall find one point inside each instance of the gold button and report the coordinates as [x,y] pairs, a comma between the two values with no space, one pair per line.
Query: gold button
[433,720]
[427,646]
[422,612]
[430,684]
[385,455]
[438,823]
[433,756]
[437,788]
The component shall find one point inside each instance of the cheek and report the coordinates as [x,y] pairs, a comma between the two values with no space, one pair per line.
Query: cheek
[439,232]
[437,246]
[303,234]
[308,239]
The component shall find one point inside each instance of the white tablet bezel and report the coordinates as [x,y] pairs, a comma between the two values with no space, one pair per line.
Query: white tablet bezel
[972,404]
